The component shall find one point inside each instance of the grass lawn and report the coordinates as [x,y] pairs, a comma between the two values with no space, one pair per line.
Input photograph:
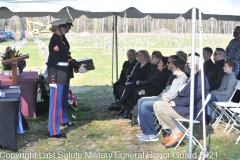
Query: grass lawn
[98,133]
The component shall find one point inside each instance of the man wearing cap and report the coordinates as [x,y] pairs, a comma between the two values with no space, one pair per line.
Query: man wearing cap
[59,77]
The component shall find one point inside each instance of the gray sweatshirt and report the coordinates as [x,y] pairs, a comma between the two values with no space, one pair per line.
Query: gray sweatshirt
[226,89]
[176,84]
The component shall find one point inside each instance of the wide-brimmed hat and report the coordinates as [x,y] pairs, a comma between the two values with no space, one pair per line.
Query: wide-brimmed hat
[62,22]
[69,22]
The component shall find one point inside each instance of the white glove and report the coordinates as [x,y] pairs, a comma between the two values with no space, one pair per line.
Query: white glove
[82,69]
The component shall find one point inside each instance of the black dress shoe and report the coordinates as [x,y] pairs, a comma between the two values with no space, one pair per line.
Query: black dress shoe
[114,108]
[61,135]
[213,120]
[120,112]
[69,124]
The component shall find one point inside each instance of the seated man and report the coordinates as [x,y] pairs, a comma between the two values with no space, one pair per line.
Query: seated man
[145,108]
[179,107]
[208,63]
[216,73]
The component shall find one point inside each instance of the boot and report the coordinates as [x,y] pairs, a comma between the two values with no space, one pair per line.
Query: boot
[125,95]
[120,112]
[125,114]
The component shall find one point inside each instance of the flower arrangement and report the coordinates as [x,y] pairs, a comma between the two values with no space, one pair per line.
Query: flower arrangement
[43,88]
[12,53]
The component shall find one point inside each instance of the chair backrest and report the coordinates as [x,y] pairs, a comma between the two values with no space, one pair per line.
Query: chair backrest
[237,87]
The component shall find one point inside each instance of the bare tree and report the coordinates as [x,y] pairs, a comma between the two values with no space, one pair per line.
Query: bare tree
[22,30]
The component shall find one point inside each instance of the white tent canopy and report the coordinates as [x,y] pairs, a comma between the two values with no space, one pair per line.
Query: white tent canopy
[167,9]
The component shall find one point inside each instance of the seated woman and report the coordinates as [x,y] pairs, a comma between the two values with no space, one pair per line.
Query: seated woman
[140,73]
[226,89]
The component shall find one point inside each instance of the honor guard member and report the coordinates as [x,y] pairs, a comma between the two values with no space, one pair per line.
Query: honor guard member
[71,66]
[58,78]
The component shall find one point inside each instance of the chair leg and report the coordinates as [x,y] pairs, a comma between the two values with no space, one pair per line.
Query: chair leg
[238,139]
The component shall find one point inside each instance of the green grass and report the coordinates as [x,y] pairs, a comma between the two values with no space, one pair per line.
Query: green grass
[98,131]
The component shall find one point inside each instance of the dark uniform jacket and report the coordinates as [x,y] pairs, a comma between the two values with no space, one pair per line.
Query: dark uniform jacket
[58,52]
[207,66]
[216,74]
[71,75]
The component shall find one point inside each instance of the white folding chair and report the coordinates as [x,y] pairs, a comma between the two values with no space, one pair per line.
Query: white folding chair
[238,139]
[179,123]
[221,109]
[235,119]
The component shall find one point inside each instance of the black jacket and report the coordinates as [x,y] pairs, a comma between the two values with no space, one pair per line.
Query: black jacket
[170,79]
[158,84]
[140,73]
[152,74]
[216,74]
[207,66]
[126,70]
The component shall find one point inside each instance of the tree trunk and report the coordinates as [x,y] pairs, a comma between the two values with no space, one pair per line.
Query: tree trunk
[102,25]
[22,30]
[126,23]
[134,21]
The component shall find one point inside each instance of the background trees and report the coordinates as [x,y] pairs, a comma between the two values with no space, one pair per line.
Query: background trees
[128,25]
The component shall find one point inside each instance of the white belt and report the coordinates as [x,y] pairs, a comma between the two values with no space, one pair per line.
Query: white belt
[62,64]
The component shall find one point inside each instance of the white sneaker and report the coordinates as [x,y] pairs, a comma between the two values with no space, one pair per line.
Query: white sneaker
[140,135]
[147,138]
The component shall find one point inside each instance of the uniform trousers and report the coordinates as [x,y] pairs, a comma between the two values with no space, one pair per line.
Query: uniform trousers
[58,108]
[166,114]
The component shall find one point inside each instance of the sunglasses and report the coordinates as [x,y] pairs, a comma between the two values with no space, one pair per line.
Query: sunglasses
[216,54]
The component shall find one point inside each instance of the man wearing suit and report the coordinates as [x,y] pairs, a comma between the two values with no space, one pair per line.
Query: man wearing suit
[216,73]
[208,63]
[179,107]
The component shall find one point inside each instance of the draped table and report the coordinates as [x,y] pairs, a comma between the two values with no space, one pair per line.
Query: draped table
[29,85]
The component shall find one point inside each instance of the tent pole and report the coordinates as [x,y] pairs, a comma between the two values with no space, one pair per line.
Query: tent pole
[116,46]
[192,81]
[204,154]
[112,48]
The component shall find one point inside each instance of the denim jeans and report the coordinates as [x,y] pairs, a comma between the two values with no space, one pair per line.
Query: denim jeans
[209,111]
[145,109]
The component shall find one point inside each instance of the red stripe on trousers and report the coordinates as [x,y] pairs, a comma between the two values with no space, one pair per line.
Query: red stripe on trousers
[61,118]
[54,111]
